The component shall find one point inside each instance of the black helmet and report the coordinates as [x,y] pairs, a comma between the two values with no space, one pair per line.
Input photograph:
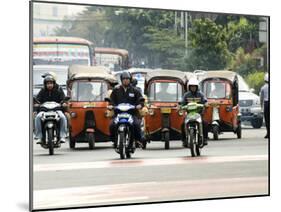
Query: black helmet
[125,75]
[49,78]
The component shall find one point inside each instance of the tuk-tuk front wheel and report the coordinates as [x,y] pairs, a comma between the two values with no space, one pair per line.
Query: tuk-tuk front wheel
[166,138]
[72,142]
[216,132]
[239,131]
[91,140]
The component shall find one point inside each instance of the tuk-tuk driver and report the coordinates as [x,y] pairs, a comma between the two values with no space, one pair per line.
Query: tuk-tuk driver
[194,94]
[54,93]
[126,93]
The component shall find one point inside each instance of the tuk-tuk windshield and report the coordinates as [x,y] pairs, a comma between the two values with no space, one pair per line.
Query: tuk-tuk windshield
[217,90]
[84,91]
[165,92]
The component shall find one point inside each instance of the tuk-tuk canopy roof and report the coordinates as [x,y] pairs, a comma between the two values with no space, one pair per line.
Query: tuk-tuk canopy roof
[60,39]
[166,74]
[85,72]
[121,52]
[140,70]
[230,75]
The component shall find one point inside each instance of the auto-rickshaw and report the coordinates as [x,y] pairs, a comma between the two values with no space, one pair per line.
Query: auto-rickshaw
[222,113]
[88,87]
[164,89]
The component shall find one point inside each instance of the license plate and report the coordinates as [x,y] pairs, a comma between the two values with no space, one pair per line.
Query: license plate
[165,110]
[89,105]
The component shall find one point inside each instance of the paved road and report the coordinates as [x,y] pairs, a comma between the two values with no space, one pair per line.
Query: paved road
[82,177]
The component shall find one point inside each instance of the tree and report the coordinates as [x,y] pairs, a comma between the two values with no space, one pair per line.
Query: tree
[242,33]
[208,41]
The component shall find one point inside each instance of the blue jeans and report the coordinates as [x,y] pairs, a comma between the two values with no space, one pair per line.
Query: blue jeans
[38,125]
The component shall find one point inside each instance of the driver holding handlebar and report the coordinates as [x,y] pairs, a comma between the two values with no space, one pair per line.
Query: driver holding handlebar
[194,95]
[126,93]
[51,92]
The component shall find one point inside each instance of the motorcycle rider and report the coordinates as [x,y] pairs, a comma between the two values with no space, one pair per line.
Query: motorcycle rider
[50,92]
[126,93]
[194,95]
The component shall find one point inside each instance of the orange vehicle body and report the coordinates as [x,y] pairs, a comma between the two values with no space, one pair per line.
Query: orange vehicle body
[89,118]
[163,121]
[222,113]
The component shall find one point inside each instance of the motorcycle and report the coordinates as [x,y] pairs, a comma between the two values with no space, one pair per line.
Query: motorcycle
[193,127]
[125,145]
[50,125]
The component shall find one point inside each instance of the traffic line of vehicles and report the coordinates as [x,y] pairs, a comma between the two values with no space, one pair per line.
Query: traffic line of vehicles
[88,87]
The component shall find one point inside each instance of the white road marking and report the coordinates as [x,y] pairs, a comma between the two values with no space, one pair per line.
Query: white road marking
[149,191]
[145,162]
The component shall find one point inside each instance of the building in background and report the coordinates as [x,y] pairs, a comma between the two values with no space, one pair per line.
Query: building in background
[47,17]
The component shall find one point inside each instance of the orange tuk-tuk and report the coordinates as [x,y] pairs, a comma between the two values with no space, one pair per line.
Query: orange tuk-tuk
[222,113]
[164,89]
[88,87]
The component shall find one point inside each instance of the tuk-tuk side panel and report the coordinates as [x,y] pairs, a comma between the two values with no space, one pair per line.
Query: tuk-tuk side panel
[153,122]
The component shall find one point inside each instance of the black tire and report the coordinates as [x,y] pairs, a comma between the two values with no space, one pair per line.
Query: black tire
[72,142]
[239,131]
[121,146]
[128,154]
[257,123]
[50,141]
[198,150]
[192,144]
[144,145]
[91,140]
[216,132]
[166,138]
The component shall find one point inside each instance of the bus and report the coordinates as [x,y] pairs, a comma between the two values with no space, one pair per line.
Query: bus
[64,51]
[115,59]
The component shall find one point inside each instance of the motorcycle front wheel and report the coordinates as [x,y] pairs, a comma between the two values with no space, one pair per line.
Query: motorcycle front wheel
[192,144]
[121,144]
[50,141]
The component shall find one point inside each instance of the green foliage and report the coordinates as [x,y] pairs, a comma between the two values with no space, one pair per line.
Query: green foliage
[242,33]
[256,80]
[150,35]
[243,63]
[208,41]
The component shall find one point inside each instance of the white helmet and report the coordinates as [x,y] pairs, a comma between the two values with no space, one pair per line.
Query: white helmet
[266,77]
[193,81]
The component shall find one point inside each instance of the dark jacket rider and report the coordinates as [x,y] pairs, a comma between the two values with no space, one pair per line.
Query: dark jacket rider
[126,93]
[51,92]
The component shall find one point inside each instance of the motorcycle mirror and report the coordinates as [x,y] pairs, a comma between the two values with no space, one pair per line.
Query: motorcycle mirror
[106,99]
[141,99]
[35,100]
[67,98]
